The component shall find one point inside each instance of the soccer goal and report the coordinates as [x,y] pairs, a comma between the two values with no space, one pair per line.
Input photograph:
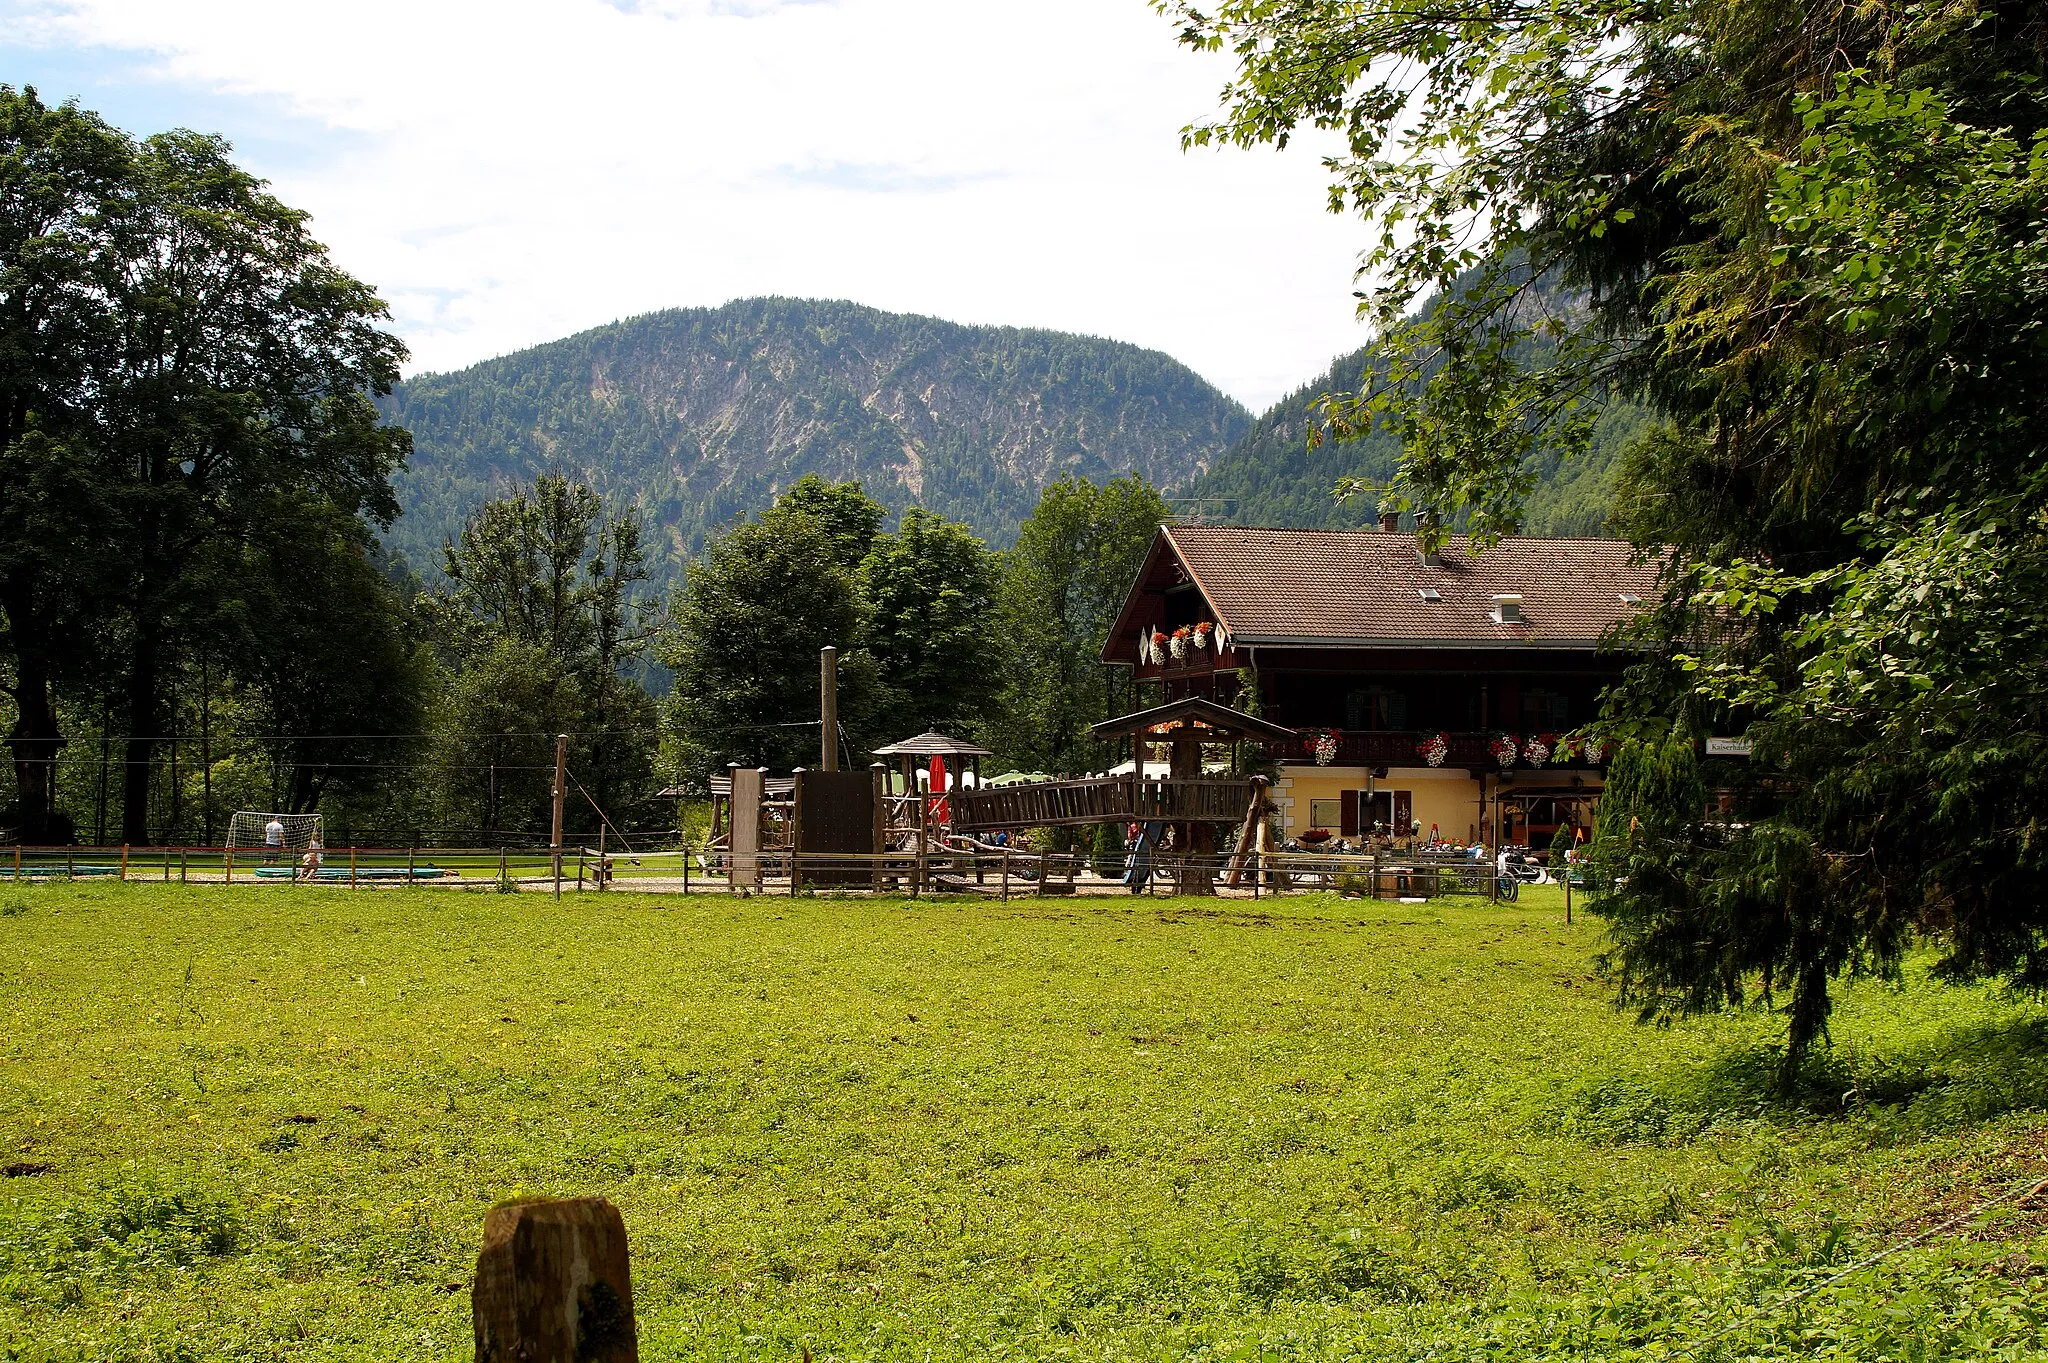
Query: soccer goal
[252,830]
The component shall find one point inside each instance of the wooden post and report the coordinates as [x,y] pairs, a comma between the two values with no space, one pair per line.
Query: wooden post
[167,857]
[554,1282]
[604,869]
[17,862]
[70,871]
[561,782]
[181,866]
[501,866]
[124,863]
[352,866]
[229,878]
[410,853]
[828,708]
[579,870]
[1006,875]
[917,874]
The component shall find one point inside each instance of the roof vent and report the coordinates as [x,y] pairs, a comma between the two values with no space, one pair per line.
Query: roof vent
[1631,599]
[1429,558]
[1429,593]
[1507,608]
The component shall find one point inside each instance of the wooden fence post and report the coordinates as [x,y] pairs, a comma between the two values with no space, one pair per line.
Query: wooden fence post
[124,862]
[554,1282]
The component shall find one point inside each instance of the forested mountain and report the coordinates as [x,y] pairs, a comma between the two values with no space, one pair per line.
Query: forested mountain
[703,414]
[1271,477]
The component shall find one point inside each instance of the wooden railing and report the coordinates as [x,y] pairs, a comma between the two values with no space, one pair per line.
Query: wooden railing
[1103,799]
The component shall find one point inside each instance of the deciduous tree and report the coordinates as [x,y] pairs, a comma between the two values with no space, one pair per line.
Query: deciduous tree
[1062,587]
[1811,237]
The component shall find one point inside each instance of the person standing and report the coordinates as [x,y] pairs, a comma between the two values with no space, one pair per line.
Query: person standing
[273,839]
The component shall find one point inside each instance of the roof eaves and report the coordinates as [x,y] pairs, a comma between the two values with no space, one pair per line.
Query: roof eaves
[1353,641]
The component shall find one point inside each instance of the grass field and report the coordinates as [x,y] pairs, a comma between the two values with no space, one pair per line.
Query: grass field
[266,1123]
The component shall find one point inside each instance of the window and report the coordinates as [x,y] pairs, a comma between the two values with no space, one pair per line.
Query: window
[1325,814]
[1375,707]
[1429,593]
[1545,710]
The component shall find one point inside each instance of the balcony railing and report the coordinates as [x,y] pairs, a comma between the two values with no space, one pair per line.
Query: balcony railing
[1405,748]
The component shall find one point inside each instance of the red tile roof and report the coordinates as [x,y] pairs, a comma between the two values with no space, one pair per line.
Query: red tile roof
[1363,588]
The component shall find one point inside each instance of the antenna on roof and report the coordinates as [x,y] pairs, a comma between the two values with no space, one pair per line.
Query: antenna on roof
[1199,510]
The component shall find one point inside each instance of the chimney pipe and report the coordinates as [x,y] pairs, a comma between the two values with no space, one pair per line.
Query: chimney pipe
[1390,522]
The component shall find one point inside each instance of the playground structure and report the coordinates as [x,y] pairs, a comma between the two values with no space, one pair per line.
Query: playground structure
[925,828]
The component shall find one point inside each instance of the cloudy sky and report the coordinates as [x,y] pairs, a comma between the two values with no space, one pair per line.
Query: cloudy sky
[510,171]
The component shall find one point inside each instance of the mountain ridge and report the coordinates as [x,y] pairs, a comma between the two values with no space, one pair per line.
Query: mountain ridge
[703,414]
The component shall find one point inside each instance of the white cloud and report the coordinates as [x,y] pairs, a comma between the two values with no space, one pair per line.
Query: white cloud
[509,171]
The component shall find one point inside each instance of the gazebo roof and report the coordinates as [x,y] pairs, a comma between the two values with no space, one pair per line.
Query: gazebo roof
[1195,712]
[932,744]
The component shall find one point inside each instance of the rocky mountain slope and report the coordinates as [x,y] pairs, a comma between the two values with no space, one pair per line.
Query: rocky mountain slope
[702,414]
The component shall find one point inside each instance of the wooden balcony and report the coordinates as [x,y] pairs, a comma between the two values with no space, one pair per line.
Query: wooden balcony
[1401,748]
[1106,799]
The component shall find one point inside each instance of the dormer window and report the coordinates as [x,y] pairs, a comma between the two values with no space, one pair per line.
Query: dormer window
[1429,593]
[1507,608]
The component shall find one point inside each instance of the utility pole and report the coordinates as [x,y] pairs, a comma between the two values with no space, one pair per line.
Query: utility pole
[828,708]
[561,789]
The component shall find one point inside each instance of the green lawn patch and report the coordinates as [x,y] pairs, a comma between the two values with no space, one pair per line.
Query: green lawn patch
[266,1122]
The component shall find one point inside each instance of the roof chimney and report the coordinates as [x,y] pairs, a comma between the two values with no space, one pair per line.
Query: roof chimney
[1390,522]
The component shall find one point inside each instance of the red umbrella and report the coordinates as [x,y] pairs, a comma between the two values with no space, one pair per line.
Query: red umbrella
[939,812]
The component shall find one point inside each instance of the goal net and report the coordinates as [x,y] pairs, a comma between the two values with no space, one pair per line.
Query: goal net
[283,835]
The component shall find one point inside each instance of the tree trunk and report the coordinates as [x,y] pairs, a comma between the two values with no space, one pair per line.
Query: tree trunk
[36,738]
[144,723]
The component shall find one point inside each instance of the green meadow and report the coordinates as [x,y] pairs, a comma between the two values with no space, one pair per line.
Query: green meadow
[266,1122]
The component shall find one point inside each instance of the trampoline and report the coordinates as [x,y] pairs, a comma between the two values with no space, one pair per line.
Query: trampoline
[361,873]
[35,871]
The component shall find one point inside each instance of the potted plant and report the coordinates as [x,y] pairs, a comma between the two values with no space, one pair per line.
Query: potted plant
[1202,633]
[1179,642]
[1322,745]
[1434,749]
[1537,750]
[1505,749]
[1314,837]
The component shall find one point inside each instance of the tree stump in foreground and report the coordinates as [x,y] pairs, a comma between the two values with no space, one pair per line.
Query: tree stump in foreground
[553,1284]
